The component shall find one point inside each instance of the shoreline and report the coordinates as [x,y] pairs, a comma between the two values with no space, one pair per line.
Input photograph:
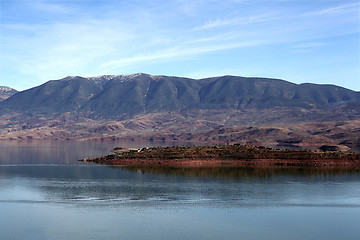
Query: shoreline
[225,156]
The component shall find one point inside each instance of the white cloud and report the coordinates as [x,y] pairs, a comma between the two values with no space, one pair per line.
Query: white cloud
[309,45]
[175,53]
[217,23]
[72,41]
[64,48]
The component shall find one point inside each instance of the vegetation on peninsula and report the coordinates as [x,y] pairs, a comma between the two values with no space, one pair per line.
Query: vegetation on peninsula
[226,155]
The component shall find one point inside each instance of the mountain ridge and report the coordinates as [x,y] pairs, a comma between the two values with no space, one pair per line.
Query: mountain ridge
[112,96]
[6,92]
[225,109]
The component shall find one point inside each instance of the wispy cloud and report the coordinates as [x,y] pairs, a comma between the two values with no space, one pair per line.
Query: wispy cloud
[63,49]
[217,23]
[309,45]
[340,9]
[91,46]
[175,52]
[43,39]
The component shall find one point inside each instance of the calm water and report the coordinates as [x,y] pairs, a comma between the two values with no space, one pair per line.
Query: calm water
[45,193]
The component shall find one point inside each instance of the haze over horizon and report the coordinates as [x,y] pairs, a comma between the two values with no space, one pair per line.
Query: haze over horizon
[298,41]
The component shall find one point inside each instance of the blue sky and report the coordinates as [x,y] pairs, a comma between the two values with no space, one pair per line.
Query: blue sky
[300,41]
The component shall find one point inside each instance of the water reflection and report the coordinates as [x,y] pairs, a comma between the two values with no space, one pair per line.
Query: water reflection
[355,149]
[243,172]
[60,152]
[86,186]
[50,195]
[49,152]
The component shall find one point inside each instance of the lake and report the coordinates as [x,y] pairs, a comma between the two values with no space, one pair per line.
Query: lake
[45,193]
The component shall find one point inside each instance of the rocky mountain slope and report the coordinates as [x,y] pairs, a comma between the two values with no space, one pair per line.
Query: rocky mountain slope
[6,92]
[225,109]
[117,96]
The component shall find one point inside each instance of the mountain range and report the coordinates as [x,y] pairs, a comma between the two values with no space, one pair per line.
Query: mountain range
[114,96]
[142,106]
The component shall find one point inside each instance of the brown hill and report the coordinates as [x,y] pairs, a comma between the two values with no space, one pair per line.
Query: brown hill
[196,128]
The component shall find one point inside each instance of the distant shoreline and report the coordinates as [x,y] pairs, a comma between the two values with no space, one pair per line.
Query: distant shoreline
[226,156]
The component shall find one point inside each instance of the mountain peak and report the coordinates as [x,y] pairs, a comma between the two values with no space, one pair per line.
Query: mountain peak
[124,77]
[6,89]
[6,92]
[71,78]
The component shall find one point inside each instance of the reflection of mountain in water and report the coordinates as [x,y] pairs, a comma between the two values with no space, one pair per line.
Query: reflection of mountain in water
[49,152]
[104,186]
[57,152]
[88,184]
[243,172]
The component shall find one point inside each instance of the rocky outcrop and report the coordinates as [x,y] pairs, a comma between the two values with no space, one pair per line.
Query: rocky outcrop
[6,92]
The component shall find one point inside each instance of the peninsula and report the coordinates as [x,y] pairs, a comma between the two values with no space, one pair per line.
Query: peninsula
[226,156]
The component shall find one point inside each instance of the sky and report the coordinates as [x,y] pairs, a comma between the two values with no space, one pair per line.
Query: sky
[301,41]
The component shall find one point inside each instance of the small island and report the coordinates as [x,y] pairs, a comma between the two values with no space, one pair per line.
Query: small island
[226,156]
